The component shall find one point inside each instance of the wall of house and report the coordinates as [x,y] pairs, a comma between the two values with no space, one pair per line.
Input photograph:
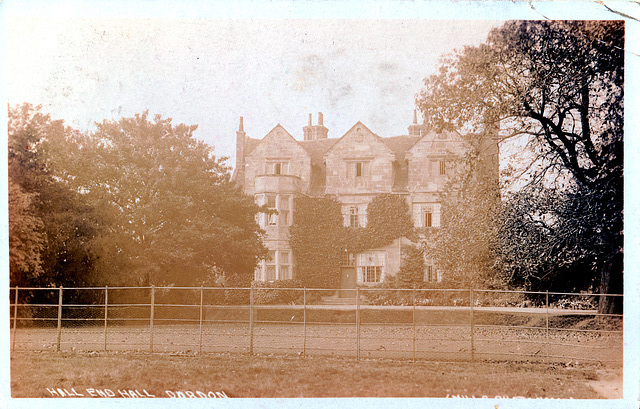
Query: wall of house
[359,145]
[277,145]
[339,176]
[424,162]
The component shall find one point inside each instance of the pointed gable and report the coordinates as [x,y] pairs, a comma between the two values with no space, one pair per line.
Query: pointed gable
[429,159]
[357,141]
[359,162]
[437,144]
[278,142]
[277,153]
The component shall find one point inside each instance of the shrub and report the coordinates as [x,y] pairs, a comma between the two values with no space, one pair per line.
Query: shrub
[277,292]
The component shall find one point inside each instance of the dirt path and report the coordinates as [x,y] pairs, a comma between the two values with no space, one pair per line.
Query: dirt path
[608,384]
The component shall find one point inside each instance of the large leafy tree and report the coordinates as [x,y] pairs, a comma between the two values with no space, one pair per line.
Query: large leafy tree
[173,216]
[466,244]
[26,240]
[51,227]
[559,85]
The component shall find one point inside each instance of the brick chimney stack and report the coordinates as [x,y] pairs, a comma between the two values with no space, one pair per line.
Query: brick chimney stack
[315,132]
[307,130]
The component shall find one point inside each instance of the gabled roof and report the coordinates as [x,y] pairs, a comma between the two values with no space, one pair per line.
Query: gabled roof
[252,144]
[317,148]
[401,144]
[432,138]
[351,129]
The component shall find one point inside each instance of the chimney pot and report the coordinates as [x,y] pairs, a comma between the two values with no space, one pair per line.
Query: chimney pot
[241,129]
[415,116]
[310,120]
[320,119]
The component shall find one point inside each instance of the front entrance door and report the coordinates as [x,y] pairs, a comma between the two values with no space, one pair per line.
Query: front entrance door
[348,283]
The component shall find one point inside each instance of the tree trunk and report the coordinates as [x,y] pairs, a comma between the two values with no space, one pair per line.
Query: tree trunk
[611,282]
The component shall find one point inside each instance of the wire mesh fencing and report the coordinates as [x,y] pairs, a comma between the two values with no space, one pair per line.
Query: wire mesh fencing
[364,323]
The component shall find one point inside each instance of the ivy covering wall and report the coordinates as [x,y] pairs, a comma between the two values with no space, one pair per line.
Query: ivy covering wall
[316,237]
[319,239]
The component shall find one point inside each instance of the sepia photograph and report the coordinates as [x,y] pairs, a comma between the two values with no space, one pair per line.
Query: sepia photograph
[321,200]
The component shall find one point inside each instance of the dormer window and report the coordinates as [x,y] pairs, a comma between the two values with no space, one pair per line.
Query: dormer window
[443,167]
[359,169]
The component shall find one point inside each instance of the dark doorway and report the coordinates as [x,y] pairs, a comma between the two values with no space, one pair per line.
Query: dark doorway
[348,283]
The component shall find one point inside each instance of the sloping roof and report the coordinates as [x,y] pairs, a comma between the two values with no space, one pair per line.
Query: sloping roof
[400,144]
[251,144]
[317,148]
[359,123]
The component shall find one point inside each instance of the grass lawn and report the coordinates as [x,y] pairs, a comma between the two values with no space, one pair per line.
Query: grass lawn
[32,373]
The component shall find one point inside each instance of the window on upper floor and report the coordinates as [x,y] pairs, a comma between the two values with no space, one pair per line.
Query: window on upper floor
[271,204]
[443,167]
[428,217]
[283,209]
[357,169]
[353,217]
[426,214]
[277,167]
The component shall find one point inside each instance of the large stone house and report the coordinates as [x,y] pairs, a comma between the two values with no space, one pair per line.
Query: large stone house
[354,168]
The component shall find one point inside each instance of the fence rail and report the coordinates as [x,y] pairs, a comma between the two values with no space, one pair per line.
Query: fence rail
[436,324]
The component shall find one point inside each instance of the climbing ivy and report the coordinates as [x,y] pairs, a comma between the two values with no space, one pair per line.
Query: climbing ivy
[388,218]
[315,237]
[319,239]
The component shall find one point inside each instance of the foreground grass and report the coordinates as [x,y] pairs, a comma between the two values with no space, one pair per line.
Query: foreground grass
[245,376]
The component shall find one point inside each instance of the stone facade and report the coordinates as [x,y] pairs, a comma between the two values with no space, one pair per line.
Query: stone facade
[354,168]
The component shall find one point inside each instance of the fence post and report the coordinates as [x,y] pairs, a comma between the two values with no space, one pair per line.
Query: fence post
[153,301]
[59,318]
[357,324]
[413,319]
[251,321]
[304,321]
[471,302]
[106,306]
[547,322]
[15,320]
[201,307]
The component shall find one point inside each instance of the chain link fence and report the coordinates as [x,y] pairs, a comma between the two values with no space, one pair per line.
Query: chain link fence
[420,324]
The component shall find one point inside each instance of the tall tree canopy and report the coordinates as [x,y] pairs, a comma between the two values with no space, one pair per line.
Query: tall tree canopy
[51,228]
[172,214]
[560,85]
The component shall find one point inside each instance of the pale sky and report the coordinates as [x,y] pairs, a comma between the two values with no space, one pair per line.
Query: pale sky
[212,62]
[211,72]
